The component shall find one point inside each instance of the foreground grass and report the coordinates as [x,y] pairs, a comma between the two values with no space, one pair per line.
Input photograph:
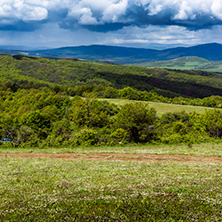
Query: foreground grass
[68,190]
[163,107]
[204,149]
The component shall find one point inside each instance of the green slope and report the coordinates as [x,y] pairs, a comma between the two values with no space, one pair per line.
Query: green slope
[72,72]
[185,63]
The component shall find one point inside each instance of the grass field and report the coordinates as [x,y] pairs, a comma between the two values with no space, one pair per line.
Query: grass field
[204,149]
[88,190]
[163,107]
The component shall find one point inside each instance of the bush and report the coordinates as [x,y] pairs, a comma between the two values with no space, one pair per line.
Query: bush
[26,134]
[90,112]
[86,137]
[135,118]
[212,121]
[61,128]
[120,135]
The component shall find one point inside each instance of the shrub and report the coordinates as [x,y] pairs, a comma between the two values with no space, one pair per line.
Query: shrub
[120,135]
[212,121]
[90,112]
[86,137]
[135,118]
[61,128]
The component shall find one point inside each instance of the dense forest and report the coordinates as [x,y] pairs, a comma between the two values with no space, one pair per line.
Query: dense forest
[31,72]
[76,77]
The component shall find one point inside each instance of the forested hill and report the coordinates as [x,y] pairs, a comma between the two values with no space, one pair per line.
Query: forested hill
[40,72]
[185,63]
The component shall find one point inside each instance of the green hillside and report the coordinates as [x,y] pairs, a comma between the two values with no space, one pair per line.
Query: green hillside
[185,63]
[39,72]
[36,108]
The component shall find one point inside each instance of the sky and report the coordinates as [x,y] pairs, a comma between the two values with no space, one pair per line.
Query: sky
[132,23]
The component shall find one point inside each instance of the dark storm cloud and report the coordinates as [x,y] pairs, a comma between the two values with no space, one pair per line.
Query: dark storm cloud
[140,17]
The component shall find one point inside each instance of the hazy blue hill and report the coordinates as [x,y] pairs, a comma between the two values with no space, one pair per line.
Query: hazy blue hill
[124,55]
[211,52]
[13,52]
[113,54]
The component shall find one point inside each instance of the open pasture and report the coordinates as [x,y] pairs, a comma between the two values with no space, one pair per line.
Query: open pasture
[43,188]
[162,107]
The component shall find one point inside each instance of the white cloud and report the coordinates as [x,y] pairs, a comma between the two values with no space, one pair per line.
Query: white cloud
[109,11]
[19,10]
[129,41]
[185,12]
[114,10]
[184,9]
[217,8]
[87,18]
[155,9]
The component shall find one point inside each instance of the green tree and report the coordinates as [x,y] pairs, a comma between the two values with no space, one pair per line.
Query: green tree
[9,126]
[61,128]
[138,120]
[39,122]
[212,121]
[90,112]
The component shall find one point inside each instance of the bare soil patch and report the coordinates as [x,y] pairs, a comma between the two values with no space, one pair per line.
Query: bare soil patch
[116,157]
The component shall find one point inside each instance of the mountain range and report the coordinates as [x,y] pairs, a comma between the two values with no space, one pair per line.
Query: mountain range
[125,55]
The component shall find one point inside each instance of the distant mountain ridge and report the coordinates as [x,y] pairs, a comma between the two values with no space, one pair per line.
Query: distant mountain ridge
[125,55]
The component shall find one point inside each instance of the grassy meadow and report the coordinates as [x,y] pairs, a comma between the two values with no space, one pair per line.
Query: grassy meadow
[87,190]
[203,149]
[162,107]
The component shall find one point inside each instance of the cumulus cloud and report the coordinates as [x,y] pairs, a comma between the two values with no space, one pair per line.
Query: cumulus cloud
[217,9]
[114,11]
[18,10]
[190,13]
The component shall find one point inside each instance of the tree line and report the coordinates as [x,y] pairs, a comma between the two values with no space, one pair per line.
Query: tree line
[45,118]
